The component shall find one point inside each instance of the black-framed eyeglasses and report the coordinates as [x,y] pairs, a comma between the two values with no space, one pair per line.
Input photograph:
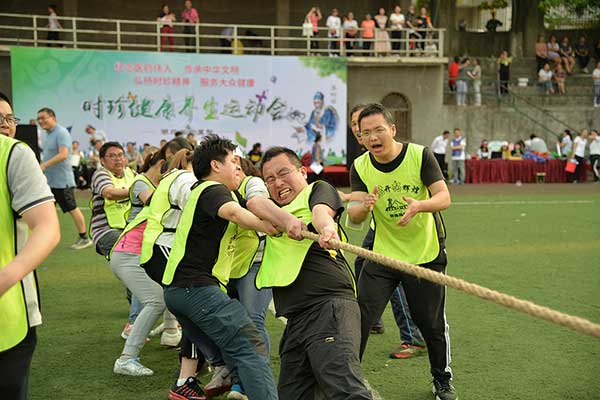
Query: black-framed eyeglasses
[9,119]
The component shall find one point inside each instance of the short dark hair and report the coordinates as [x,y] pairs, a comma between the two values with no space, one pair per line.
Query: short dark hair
[277,150]
[107,146]
[356,108]
[211,147]
[178,134]
[5,98]
[47,110]
[446,133]
[374,109]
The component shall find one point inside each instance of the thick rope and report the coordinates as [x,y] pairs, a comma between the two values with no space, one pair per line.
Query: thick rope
[575,323]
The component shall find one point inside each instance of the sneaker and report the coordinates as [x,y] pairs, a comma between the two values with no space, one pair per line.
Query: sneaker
[443,390]
[131,367]
[406,350]
[170,339]
[219,383]
[190,390]
[236,393]
[126,330]
[158,330]
[377,330]
[81,243]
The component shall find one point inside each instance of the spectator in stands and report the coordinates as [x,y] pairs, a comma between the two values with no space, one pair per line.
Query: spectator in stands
[484,153]
[93,159]
[457,165]
[596,80]
[566,143]
[350,31]
[461,82]
[411,25]
[423,22]
[453,73]
[134,160]
[368,33]
[582,53]
[567,55]
[475,75]
[517,151]
[553,49]
[545,78]
[595,154]
[333,33]
[191,138]
[541,52]
[505,151]
[255,155]
[431,49]
[178,134]
[314,16]
[53,25]
[190,16]
[578,152]
[397,21]
[597,51]
[166,19]
[493,23]
[504,62]
[536,144]
[382,38]
[95,134]
[162,142]
[560,77]
[77,164]
[316,158]
[438,147]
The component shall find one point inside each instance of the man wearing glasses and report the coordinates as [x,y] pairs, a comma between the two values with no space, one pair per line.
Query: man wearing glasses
[56,164]
[402,186]
[110,197]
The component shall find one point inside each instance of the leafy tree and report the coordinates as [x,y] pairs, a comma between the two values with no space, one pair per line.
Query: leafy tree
[328,66]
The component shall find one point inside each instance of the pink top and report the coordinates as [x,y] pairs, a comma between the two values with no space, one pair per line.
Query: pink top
[314,20]
[131,242]
[368,28]
[190,15]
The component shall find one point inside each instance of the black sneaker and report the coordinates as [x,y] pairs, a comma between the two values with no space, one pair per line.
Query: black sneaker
[443,390]
[190,390]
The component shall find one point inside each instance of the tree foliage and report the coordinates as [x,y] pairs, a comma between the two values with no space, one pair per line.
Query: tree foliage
[327,66]
[577,6]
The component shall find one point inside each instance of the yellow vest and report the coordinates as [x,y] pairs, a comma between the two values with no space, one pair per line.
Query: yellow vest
[117,211]
[418,242]
[13,309]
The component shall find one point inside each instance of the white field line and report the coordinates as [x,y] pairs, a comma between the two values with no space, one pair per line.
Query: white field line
[519,202]
[376,395]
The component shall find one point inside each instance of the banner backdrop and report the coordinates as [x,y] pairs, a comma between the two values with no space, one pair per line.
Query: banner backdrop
[145,97]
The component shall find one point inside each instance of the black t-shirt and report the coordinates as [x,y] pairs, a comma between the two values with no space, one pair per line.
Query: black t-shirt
[430,173]
[321,276]
[204,239]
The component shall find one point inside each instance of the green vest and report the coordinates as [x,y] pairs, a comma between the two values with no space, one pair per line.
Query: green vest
[157,210]
[13,308]
[246,244]
[283,257]
[222,268]
[140,217]
[418,242]
[117,211]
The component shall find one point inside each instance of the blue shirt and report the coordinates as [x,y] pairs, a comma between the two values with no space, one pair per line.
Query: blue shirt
[60,176]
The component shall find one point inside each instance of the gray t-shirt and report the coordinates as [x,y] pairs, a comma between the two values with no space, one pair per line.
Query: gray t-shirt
[462,73]
[256,187]
[60,176]
[28,188]
[137,204]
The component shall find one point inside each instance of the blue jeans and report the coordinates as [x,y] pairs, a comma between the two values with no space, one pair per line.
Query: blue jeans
[207,310]
[597,93]
[134,309]
[255,301]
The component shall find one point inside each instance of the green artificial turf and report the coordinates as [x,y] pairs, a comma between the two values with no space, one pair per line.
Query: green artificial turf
[545,249]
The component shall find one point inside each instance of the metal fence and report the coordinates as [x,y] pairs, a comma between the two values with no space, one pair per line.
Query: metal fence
[116,34]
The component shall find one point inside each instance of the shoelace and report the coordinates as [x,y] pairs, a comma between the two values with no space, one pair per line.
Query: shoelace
[445,386]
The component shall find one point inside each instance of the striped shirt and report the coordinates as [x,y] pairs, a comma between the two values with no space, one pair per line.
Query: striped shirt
[99,223]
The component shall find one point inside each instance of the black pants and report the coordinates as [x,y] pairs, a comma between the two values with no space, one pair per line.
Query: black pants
[580,164]
[426,301]
[441,159]
[396,35]
[314,44]
[583,61]
[595,161]
[319,352]
[190,40]
[14,368]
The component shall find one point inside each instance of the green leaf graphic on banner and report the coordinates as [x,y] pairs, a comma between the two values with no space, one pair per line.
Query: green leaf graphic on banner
[242,141]
[328,66]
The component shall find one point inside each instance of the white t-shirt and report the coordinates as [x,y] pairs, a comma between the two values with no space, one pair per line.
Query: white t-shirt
[53,22]
[76,158]
[567,145]
[579,145]
[334,24]
[439,145]
[397,21]
[545,75]
[596,76]
[178,196]
[348,25]
[595,146]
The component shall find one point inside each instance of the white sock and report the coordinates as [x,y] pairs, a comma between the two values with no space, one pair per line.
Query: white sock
[181,381]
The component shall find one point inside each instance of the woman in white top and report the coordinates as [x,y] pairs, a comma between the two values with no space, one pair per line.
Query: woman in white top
[166,17]
[396,25]
[545,78]
[53,25]
[566,143]
[350,31]
[595,154]
[475,75]
[578,153]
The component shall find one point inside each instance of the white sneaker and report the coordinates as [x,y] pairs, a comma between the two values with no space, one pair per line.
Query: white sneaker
[170,339]
[81,244]
[219,383]
[126,330]
[158,330]
[131,367]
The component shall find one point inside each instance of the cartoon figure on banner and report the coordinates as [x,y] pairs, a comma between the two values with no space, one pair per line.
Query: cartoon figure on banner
[323,120]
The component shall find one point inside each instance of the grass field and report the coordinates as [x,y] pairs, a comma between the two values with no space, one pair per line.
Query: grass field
[540,243]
